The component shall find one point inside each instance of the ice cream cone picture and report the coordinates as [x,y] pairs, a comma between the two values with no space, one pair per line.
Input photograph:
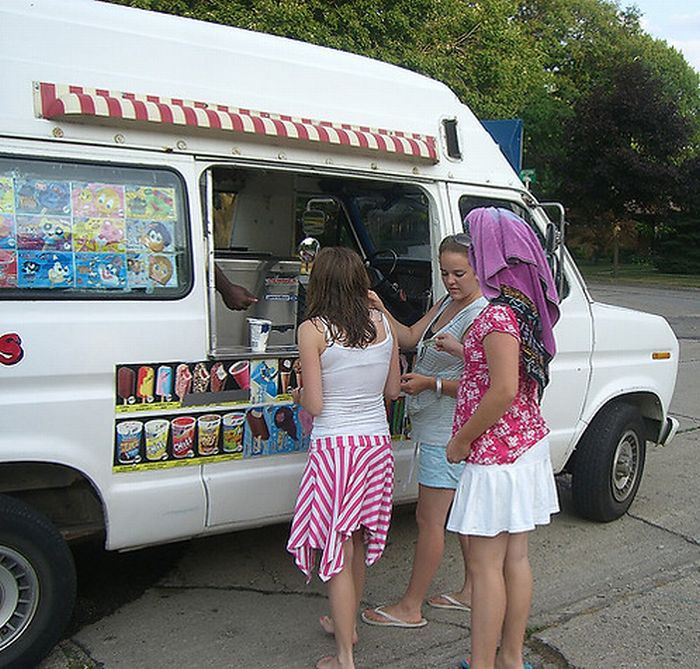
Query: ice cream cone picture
[240,371]
[296,379]
[258,430]
[285,375]
[284,420]
[126,385]
[183,381]
[201,378]
[145,384]
[306,420]
[218,377]
[164,383]
[263,375]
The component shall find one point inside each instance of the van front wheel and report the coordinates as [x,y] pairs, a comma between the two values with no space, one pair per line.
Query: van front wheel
[37,584]
[609,463]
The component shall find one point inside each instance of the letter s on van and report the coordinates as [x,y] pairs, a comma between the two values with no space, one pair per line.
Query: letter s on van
[11,351]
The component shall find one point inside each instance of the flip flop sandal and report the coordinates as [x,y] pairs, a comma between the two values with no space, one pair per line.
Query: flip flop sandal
[389,620]
[452,603]
[464,664]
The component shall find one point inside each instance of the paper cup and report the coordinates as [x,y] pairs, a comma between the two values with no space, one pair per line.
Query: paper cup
[232,426]
[157,439]
[183,436]
[129,442]
[258,332]
[208,427]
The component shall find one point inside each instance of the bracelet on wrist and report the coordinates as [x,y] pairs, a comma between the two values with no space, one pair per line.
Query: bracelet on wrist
[438,386]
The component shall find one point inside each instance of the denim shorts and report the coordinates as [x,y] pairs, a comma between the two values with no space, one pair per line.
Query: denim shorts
[433,469]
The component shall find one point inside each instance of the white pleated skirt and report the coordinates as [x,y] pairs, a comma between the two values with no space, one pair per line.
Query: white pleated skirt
[511,498]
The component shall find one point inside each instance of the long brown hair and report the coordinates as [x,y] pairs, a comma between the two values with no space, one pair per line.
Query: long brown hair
[337,295]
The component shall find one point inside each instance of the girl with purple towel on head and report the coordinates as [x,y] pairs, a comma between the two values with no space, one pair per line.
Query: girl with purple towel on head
[507,487]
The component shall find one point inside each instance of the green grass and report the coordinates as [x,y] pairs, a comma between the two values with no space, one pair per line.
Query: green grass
[637,274]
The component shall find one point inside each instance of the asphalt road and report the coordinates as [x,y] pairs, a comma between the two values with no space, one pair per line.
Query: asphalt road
[624,594]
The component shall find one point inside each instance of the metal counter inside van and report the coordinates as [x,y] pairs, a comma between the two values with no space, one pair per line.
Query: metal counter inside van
[275,282]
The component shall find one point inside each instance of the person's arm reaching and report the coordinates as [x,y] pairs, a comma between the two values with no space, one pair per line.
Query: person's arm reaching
[407,336]
[234,296]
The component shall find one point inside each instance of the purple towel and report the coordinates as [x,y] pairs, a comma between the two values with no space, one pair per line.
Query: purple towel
[505,251]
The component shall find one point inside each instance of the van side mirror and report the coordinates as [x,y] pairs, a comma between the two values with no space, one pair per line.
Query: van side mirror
[554,241]
[313,222]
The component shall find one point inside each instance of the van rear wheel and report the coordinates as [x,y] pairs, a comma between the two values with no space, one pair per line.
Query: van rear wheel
[609,463]
[37,584]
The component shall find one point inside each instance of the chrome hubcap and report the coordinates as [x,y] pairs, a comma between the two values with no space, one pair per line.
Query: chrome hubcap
[19,595]
[625,467]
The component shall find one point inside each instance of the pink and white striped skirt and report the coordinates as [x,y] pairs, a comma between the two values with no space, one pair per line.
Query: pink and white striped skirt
[347,484]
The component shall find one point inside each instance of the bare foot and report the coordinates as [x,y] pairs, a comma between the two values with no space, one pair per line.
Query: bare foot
[332,662]
[328,626]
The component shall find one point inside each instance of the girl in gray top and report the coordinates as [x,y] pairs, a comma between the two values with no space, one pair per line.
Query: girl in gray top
[432,387]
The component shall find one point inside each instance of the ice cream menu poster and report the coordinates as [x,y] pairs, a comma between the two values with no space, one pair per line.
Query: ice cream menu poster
[172,414]
[58,234]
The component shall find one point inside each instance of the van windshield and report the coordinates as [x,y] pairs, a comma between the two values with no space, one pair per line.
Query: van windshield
[396,220]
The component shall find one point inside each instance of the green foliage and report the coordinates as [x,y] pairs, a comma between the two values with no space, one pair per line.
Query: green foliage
[678,250]
[612,116]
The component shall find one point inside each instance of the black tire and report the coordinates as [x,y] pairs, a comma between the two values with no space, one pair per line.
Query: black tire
[609,463]
[37,585]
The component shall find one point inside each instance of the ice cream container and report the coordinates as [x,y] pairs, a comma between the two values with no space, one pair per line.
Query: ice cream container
[232,425]
[258,332]
[183,436]
[157,439]
[208,427]
[129,442]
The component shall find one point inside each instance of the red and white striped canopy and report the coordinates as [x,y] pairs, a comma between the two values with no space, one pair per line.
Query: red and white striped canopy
[60,100]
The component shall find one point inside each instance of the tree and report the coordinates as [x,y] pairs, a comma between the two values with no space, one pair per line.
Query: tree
[476,48]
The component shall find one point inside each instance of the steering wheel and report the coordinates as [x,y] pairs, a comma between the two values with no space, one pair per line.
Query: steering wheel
[377,276]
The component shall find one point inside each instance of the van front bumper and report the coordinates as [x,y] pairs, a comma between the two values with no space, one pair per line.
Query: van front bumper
[668,431]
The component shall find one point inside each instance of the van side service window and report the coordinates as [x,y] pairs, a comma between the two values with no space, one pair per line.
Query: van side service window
[262,216]
[79,231]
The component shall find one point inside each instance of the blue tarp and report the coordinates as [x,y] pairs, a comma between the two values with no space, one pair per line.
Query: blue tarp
[508,134]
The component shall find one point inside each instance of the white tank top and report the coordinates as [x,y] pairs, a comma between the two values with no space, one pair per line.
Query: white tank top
[353,382]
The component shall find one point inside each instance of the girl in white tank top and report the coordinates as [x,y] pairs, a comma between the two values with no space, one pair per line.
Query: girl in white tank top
[349,363]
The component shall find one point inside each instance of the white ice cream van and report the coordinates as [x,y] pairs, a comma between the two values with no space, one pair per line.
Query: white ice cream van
[140,151]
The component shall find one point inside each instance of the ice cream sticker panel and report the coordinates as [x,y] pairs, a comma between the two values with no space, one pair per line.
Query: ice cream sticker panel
[86,236]
[179,413]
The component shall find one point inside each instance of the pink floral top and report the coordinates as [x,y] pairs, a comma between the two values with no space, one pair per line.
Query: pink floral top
[522,425]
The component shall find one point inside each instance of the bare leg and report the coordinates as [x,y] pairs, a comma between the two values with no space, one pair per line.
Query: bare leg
[431,514]
[486,561]
[518,577]
[345,601]
[358,577]
[465,594]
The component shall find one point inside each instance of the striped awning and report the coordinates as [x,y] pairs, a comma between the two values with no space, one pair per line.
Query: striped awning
[53,101]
